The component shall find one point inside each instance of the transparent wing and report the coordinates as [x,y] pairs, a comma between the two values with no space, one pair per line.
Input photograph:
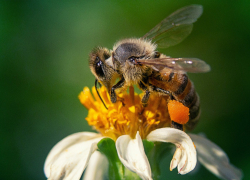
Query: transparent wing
[193,65]
[176,27]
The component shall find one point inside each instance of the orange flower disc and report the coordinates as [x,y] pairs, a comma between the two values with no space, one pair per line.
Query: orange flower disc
[178,112]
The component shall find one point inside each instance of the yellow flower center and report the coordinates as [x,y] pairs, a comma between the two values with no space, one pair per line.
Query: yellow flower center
[127,115]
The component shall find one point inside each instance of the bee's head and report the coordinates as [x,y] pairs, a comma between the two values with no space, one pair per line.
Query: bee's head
[99,63]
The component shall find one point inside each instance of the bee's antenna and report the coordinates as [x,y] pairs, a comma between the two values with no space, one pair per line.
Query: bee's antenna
[99,94]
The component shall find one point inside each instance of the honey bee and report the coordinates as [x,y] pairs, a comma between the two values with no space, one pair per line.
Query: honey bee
[136,61]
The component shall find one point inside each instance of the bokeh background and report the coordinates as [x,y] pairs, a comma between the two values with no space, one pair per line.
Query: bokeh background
[44,66]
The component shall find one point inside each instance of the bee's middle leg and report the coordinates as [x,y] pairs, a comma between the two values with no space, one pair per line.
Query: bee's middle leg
[145,97]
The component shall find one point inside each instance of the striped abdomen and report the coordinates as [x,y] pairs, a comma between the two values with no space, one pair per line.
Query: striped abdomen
[182,90]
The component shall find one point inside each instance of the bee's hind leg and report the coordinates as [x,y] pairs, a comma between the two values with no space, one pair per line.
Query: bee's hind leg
[148,91]
[160,90]
[176,125]
[173,124]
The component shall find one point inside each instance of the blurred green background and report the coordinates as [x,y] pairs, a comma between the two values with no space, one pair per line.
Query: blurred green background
[44,65]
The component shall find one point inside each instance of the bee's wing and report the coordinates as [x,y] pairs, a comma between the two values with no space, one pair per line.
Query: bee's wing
[176,27]
[193,65]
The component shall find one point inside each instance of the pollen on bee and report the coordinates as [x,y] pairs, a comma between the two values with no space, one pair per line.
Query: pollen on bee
[178,112]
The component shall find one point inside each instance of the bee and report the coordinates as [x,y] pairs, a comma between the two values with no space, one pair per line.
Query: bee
[136,61]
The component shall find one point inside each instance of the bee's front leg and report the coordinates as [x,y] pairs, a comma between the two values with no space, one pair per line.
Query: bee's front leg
[119,84]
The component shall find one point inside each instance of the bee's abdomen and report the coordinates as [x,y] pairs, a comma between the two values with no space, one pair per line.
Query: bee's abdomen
[185,93]
[182,90]
[194,114]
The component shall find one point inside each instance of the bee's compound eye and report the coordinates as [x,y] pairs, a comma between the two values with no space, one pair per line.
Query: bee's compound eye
[98,67]
[98,62]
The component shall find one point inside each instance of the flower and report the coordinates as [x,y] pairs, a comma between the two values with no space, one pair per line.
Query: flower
[127,123]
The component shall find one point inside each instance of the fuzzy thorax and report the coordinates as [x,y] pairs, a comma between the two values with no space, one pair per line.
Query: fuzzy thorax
[126,52]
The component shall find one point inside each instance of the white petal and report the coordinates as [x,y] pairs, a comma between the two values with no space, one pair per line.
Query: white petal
[215,159]
[183,142]
[182,166]
[176,159]
[132,155]
[70,156]
[97,167]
